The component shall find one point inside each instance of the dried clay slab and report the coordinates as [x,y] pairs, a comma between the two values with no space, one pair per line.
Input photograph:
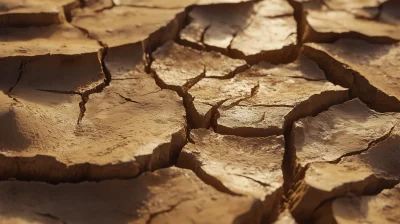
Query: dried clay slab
[130,127]
[165,196]
[350,141]
[371,69]
[241,166]
[57,57]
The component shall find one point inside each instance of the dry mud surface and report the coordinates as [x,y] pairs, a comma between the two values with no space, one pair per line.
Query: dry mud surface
[200,111]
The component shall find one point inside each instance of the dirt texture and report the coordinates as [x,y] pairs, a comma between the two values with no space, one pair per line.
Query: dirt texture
[199,111]
[140,200]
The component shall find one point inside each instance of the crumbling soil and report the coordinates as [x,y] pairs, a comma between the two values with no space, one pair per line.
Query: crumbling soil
[199,111]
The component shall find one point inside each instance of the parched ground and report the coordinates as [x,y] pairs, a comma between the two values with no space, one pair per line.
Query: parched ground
[200,111]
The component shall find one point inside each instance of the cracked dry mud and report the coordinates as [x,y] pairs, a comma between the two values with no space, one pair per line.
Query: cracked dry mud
[199,111]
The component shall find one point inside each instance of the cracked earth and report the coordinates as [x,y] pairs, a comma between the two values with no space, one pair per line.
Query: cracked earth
[200,111]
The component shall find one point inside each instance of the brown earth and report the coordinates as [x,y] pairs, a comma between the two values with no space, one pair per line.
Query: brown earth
[199,111]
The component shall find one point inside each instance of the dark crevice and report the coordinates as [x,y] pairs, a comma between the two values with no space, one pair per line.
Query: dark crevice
[127,98]
[106,8]
[102,54]
[67,92]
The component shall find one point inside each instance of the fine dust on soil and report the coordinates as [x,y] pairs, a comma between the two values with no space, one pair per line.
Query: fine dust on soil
[199,111]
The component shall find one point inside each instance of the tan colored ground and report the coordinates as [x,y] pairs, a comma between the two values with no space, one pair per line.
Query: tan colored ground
[199,111]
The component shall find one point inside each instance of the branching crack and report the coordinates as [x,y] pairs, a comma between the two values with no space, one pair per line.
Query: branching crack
[253,92]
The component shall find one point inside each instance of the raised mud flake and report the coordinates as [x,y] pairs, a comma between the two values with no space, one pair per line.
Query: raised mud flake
[57,57]
[113,140]
[238,29]
[322,26]
[34,12]
[124,25]
[362,173]
[370,69]
[180,67]
[165,196]
[334,127]
[244,166]
[285,93]
[380,208]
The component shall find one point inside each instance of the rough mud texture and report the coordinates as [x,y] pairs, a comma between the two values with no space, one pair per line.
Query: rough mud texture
[371,70]
[254,31]
[381,208]
[238,166]
[140,200]
[52,146]
[358,19]
[363,150]
[199,111]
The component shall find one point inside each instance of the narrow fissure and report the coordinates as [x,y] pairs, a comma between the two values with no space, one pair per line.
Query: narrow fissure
[370,145]
[20,72]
